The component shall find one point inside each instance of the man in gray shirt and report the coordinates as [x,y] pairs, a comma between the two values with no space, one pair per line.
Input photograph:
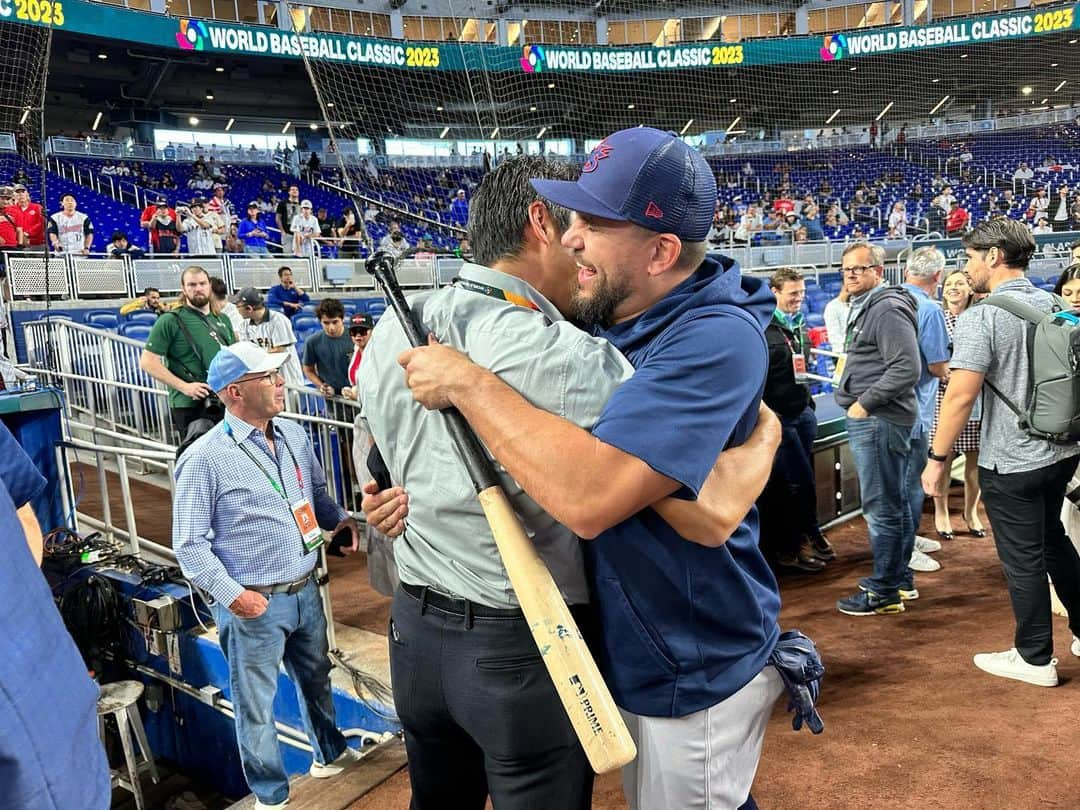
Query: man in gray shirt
[877,389]
[1023,478]
[479,712]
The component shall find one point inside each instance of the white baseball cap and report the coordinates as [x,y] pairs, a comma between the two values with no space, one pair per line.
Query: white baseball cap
[306,204]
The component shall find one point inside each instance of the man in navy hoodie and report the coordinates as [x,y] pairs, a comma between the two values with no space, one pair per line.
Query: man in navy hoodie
[687,628]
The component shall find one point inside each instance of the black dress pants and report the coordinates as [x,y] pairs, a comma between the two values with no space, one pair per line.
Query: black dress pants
[1025,513]
[480,713]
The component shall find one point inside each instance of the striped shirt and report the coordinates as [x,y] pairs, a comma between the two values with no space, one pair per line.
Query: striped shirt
[231,528]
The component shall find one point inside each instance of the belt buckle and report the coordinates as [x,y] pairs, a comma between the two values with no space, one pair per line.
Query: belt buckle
[297,586]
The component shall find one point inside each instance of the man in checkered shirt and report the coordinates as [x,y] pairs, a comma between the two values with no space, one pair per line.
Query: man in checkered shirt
[250,500]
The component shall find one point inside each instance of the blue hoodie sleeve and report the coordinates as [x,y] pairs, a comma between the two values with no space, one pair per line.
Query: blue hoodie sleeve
[695,393]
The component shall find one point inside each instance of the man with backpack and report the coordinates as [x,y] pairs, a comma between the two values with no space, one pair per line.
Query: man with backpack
[181,345]
[1025,354]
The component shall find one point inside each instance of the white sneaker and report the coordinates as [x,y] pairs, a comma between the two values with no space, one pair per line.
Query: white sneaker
[319,771]
[260,806]
[1009,664]
[926,545]
[922,562]
[1075,649]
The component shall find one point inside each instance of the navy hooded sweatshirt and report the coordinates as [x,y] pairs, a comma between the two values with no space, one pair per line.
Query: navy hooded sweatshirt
[685,626]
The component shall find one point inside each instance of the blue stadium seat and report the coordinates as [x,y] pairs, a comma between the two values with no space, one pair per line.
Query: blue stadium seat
[147,318]
[304,323]
[135,331]
[103,320]
[815,319]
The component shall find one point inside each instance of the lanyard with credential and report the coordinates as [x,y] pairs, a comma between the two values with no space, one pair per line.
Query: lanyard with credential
[494,292]
[302,512]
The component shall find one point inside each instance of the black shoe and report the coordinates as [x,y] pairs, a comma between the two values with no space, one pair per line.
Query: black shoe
[822,548]
[801,562]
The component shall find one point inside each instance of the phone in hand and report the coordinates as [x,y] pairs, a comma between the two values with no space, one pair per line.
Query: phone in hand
[341,540]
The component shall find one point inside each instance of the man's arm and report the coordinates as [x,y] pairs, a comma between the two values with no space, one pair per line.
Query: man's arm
[737,479]
[152,365]
[960,396]
[939,370]
[32,530]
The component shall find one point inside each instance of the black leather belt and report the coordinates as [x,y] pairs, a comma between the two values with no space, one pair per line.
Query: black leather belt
[287,588]
[457,607]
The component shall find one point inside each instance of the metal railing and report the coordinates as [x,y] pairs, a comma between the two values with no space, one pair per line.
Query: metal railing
[99,275]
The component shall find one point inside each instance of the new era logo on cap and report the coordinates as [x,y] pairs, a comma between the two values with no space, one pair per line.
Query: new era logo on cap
[644,176]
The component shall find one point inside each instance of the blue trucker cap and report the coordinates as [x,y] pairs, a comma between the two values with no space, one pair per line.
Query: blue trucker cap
[644,176]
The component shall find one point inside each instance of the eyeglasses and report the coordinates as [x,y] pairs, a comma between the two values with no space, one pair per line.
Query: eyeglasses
[271,377]
[858,269]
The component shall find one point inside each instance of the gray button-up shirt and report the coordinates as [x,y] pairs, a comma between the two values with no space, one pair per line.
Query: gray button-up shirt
[989,339]
[447,544]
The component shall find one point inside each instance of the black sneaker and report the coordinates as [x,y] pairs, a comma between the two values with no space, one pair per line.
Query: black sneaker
[801,562]
[868,603]
[823,549]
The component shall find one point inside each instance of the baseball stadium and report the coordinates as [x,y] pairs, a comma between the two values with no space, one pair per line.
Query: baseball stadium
[463,404]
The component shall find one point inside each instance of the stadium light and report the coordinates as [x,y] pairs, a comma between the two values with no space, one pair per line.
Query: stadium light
[731,126]
[836,112]
[882,113]
[209,94]
[1044,101]
[630,106]
[97,120]
[551,85]
[104,55]
[193,121]
[439,108]
[940,104]
[445,130]
[228,126]
[532,108]
[1053,64]
[1026,89]
[313,126]
[836,92]
[540,134]
[732,100]
[494,134]
[963,56]
[219,69]
[935,81]
[852,68]
[1062,84]
[285,128]
[329,104]
[686,127]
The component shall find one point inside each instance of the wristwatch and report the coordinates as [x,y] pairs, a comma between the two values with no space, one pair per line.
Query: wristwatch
[930,454]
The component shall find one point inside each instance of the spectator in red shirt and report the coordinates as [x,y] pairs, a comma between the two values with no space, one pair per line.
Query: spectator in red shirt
[957,220]
[28,218]
[784,204]
[146,221]
[9,235]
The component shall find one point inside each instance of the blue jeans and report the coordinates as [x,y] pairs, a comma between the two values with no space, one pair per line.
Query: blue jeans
[920,443]
[882,452]
[293,631]
[257,250]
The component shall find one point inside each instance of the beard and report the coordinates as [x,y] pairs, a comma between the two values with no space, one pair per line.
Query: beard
[979,285]
[198,301]
[597,307]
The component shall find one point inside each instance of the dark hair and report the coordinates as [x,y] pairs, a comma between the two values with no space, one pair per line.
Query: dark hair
[330,308]
[498,211]
[782,276]
[282,270]
[1074,246]
[1070,273]
[118,235]
[149,290]
[65,195]
[218,288]
[1012,238]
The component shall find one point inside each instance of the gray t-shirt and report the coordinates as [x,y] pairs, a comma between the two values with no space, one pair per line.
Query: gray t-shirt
[275,331]
[447,544]
[990,340]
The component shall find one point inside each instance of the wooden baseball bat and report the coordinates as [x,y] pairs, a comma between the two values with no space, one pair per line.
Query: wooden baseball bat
[588,703]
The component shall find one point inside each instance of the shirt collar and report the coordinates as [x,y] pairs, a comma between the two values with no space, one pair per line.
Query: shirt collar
[918,292]
[1019,283]
[241,430]
[505,281]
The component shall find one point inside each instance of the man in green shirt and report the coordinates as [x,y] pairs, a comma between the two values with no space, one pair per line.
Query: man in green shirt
[179,350]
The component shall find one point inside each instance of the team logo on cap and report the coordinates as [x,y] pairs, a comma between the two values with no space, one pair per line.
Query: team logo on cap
[834,47]
[533,59]
[653,211]
[601,151]
[191,36]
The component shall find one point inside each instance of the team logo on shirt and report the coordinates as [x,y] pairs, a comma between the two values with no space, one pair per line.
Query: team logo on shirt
[533,59]
[835,47]
[191,36]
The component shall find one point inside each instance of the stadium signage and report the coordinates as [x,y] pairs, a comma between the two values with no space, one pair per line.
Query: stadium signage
[1059,244]
[959,33]
[622,60]
[338,49]
[39,12]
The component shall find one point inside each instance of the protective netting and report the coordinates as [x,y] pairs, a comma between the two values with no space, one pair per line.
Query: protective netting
[24,57]
[868,117]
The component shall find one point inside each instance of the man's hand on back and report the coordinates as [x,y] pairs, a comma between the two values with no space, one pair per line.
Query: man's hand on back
[435,373]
